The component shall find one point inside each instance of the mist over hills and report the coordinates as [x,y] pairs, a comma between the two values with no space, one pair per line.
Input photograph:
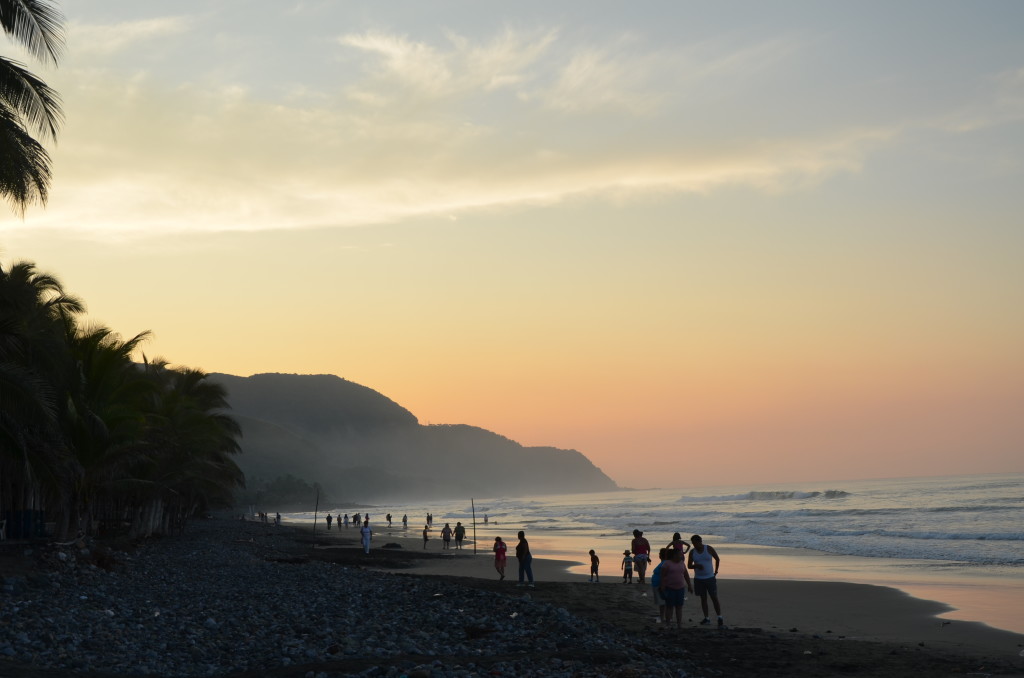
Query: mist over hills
[361,446]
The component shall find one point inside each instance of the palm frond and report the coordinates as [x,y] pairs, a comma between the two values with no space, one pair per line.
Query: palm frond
[36,24]
[32,100]
[25,171]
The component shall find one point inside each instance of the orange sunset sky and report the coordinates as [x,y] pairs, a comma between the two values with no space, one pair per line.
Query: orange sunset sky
[703,245]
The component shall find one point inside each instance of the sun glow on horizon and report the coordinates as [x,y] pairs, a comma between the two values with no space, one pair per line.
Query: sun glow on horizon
[696,233]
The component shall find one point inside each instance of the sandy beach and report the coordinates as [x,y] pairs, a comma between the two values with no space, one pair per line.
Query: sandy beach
[833,609]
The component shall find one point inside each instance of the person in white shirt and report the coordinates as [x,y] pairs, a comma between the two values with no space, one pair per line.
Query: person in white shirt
[705,582]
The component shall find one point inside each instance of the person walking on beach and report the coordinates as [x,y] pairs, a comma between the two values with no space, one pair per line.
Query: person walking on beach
[500,550]
[659,599]
[595,563]
[365,535]
[525,559]
[705,581]
[679,544]
[446,535]
[675,582]
[389,520]
[346,521]
[330,518]
[405,521]
[460,534]
[627,568]
[641,549]
[426,535]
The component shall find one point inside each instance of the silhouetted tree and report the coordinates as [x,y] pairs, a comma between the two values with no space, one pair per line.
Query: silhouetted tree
[92,437]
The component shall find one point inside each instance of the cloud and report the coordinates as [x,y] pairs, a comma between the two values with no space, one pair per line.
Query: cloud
[1000,101]
[108,39]
[465,66]
[597,79]
[228,162]
[418,130]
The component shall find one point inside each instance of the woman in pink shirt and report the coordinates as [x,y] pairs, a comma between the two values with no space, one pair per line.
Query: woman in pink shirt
[641,549]
[499,556]
[675,582]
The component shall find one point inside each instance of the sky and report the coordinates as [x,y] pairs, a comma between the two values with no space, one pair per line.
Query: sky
[702,243]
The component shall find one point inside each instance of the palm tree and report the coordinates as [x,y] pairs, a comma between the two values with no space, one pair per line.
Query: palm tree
[27,104]
[189,445]
[35,463]
[104,421]
[87,433]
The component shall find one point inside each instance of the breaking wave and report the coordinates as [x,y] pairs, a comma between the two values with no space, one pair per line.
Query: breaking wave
[773,495]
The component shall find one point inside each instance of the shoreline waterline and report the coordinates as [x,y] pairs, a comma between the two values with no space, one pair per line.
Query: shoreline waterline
[965,597]
[994,597]
[953,540]
[819,609]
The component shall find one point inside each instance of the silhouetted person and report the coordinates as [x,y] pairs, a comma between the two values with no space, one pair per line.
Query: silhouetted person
[525,559]
[329,520]
[627,568]
[679,544]
[365,535]
[705,576]
[675,582]
[499,557]
[641,549]
[460,534]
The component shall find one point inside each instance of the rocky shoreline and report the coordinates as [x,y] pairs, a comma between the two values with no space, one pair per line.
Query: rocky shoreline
[234,597]
[247,600]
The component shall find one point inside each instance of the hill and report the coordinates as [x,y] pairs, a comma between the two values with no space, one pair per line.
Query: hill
[361,446]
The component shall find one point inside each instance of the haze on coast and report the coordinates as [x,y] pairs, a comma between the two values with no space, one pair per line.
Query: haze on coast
[782,242]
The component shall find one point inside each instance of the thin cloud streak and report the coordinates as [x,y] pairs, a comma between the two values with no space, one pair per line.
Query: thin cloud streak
[108,39]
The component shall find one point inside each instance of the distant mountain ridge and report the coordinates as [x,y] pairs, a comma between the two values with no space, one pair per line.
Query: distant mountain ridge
[361,446]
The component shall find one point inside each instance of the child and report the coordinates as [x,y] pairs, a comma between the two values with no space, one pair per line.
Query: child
[627,568]
[595,562]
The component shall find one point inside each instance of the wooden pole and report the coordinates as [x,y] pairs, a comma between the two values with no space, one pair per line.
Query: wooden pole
[316,508]
[472,505]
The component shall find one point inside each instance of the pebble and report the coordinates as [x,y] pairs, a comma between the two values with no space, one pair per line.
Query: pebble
[209,603]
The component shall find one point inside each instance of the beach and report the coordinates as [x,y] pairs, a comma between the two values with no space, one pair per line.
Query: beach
[836,609]
[955,540]
[234,598]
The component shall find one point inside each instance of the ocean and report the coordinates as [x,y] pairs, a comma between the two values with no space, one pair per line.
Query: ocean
[958,540]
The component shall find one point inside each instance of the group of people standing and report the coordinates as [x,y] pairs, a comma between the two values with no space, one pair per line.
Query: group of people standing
[359,520]
[670,580]
[459,532]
